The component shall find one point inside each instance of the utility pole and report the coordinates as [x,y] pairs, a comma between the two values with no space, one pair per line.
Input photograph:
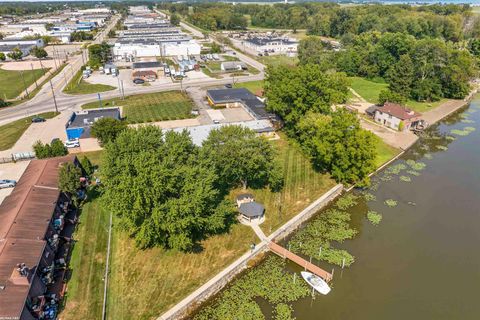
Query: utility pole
[34,78]
[24,84]
[123,90]
[54,100]
[99,100]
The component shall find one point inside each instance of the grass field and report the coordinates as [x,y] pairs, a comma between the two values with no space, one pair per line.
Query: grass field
[11,132]
[370,90]
[385,153]
[79,86]
[253,86]
[277,60]
[151,107]
[145,283]
[11,82]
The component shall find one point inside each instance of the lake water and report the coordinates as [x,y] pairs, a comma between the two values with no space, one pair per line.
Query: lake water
[423,260]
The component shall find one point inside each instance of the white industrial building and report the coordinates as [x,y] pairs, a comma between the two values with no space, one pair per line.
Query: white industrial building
[156,48]
[272,45]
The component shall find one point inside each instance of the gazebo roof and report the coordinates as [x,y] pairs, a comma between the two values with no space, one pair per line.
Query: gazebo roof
[251,209]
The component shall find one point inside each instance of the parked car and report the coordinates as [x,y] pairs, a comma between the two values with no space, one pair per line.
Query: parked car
[216,121]
[138,81]
[7,184]
[72,143]
[38,119]
[229,86]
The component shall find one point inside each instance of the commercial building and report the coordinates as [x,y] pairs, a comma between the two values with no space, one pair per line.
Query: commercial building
[200,133]
[272,45]
[8,45]
[240,97]
[233,66]
[37,223]
[80,123]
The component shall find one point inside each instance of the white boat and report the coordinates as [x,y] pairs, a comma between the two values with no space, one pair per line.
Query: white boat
[316,282]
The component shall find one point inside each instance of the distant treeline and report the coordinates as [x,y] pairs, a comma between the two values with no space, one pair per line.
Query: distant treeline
[450,22]
[27,8]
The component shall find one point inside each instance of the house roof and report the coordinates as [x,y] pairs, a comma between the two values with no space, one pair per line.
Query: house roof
[245,196]
[25,215]
[251,209]
[234,64]
[398,111]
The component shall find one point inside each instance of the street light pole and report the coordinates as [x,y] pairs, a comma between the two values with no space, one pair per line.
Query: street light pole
[24,84]
[54,100]
[34,78]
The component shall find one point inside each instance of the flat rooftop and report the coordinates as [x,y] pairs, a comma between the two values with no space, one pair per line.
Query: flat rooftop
[200,133]
[241,95]
[87,117]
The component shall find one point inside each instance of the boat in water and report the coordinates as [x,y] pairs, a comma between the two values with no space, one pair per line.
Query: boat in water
[316,282]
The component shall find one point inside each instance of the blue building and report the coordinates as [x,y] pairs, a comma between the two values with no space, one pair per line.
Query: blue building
[79,124]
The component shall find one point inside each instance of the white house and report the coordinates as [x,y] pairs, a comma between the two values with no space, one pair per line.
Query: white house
[396,116]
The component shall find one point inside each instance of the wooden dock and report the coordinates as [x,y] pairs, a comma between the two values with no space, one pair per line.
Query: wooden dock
[284,253]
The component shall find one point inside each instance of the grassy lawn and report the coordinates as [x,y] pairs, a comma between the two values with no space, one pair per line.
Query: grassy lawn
[84,297]
[214,65]
[79,86]
[11,82]
[385,152]
[145,283]
[276,60]
[370,90]
[151,107]
[11,132]
[253,86]
[303,185]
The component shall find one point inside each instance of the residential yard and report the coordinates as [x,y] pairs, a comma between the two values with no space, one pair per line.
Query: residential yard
[253,86]
[151,107]
[370,90]
[11,132]
[385,152]
[11,82]
[79,86]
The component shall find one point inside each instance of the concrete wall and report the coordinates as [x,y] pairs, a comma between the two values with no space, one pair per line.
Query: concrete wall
[214,285]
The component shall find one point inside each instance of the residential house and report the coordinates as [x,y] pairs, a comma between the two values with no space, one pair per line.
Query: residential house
[397,117]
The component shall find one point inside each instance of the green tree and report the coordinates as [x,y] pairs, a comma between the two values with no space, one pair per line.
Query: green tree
[2,56]
[292,92]
[99,54]
[174,19]
[160,192]
[239,157]
[337,144]
[112,34]
[313,50]
[39,53]
[107,129]
[390,96]
[401,76]
[15,54]
[87,166]
[56,149]
[69,178]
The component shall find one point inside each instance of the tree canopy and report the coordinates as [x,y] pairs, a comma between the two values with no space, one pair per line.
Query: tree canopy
[168,192]
[15,54]
[39,53]
[238,156]
[291,92]
[107,129]
[55,149]
[69,178]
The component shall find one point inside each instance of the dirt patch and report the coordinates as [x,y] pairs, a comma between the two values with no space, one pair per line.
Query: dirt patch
[27,65]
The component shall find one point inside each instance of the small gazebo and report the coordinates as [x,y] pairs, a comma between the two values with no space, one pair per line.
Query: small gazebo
[249,209]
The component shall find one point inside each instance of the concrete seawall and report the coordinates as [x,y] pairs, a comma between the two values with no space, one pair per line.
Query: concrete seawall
[214,285]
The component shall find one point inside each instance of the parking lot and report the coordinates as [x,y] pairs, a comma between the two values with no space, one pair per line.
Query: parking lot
[11,171]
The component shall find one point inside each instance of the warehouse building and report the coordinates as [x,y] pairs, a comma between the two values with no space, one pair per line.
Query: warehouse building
[272,45]
[168,46]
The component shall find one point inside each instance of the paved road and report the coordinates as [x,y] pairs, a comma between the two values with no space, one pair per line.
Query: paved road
[43,101]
